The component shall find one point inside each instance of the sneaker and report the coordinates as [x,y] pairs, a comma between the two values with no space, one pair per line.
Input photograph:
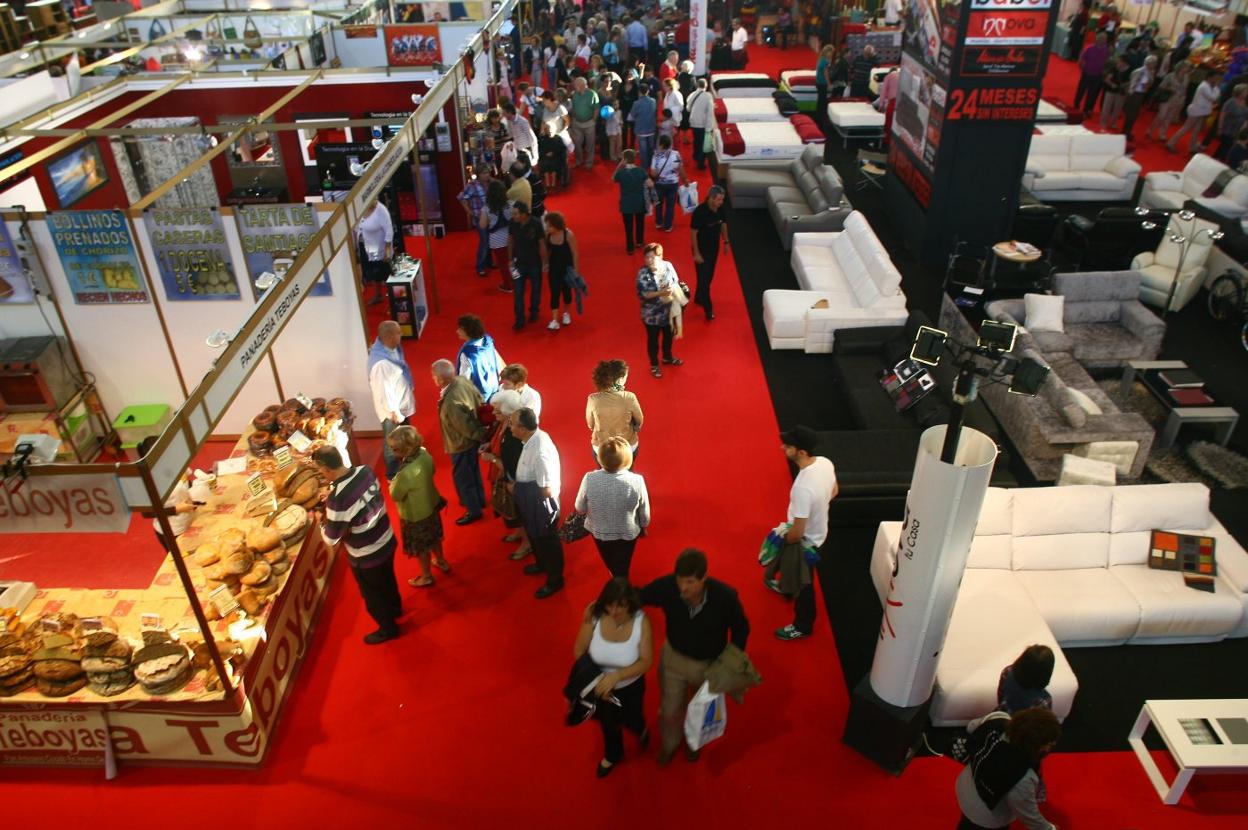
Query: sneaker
[790,632]
[379,636]
[773,584]
[567,319]
[554,325]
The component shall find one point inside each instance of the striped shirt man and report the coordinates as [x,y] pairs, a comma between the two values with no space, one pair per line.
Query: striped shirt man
[355,514]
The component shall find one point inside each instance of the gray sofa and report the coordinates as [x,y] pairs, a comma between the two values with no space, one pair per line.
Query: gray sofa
[1054,423]
[1105,323]
[803,195]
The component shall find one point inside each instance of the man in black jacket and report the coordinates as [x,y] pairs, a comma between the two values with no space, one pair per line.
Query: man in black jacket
[700,614]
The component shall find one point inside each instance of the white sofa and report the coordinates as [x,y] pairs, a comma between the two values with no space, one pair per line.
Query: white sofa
[1171,190]
[847,281]
[1067,566]
[1157,268]
[1067,167]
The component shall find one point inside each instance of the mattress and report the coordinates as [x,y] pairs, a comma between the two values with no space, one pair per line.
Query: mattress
[854,115]
[1062,129]
[757,140]
[803,79]
[743,85]
[1048,113]
[747,109]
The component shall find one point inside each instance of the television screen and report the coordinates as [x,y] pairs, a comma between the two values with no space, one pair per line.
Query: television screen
[77,173]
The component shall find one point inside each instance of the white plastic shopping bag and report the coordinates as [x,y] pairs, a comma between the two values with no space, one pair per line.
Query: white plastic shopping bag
[688,197]
[705,719]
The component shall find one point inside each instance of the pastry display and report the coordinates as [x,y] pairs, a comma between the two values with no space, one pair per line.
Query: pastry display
[263,539]
[58,666]
[266,421]
[260,443]
[207,554]
[238,561]
[108,667]
[99,633]
[163,668]
[259,573]
[15,674]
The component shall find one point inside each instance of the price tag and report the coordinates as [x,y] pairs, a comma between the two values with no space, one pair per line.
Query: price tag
[255,484]
[283,457]
[305,400]
[50,625]
[225,602]
[88,624]
[232,466]
[300,442]
[150,621]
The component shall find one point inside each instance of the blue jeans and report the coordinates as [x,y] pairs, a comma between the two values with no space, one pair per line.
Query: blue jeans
[645,149]
[531,276]
[483,248]
[665,210]
[466,473]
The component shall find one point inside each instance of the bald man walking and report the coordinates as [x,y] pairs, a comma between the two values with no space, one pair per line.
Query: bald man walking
[390,380]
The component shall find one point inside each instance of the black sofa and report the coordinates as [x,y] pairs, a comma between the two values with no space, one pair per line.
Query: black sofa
[875,461]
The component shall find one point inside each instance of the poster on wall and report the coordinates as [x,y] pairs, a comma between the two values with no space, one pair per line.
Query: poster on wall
[316,44]
[930,33]
[191,253]
[272,237]
[97,253]
[14,284]
[919,115]
[413,45]
[77,173]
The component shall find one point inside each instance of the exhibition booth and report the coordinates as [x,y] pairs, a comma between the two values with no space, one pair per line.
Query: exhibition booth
[221,303]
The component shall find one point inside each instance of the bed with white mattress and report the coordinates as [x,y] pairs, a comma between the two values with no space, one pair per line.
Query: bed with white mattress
[855,120]
[742,85]
[764,141]
[1047,113]
[752,109]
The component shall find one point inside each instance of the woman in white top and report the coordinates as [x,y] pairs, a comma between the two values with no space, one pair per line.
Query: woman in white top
[375,239]
[616,633]
[615,504]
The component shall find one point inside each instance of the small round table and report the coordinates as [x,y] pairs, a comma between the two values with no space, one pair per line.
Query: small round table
[1009,252]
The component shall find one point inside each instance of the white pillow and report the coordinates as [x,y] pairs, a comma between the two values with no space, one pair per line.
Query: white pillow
[1044,311]
[1085,403]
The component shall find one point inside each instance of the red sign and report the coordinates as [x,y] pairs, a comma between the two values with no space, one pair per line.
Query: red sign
[1006,28]
[908,173]
[993,104]
[414,44]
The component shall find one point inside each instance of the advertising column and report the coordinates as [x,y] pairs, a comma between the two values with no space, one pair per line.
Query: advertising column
[966,107]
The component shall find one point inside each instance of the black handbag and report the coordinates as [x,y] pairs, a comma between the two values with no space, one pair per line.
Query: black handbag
[573,527]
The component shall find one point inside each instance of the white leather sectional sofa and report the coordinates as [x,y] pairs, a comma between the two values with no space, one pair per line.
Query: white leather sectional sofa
[847,281]
[1069,167]
[1067,567]
[1171,190]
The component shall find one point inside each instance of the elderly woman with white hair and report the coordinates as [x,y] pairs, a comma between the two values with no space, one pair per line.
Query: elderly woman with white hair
[501,453]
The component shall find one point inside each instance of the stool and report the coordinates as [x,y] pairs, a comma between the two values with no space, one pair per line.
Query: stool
[1079,470]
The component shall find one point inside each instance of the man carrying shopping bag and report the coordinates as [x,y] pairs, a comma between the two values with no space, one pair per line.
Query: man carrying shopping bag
[701,615]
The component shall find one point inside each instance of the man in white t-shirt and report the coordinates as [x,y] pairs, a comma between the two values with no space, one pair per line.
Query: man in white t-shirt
[892,12]
[740,37]
[813,490]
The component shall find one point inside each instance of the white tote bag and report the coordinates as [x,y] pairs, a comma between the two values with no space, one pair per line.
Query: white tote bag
[705,719]
[688,194]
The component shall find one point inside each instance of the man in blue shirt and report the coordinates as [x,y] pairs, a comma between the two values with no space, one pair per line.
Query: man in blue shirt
[472,197]
[638,39]
[643,115]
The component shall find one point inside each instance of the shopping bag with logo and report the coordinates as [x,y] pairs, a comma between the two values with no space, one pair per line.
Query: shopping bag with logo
[705,719]
[773,544]
[688,194]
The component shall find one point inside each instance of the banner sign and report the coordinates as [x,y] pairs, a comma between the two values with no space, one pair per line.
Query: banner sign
[1010,5]
[64,504]
[415,44]
[191,253]
[272,237]
[1006,28]
[98,256]
[14,284]
[999,104]
[697,36]
[53,737]
[1002,62]
[918,119]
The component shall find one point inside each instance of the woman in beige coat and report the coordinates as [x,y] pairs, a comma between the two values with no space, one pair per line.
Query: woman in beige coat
[612,412]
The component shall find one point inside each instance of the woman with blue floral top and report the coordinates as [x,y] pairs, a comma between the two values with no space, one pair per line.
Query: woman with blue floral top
[657,286]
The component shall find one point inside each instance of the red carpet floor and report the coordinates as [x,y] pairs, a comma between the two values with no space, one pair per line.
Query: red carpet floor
[457,724]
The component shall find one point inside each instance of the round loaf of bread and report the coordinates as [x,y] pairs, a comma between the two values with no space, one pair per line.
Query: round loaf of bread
[17,682]
[237,561]
[98,637]
[49,687]
[108,684]
[117,648]
[259,572]
[57,669]
[280,568]
[207,554]
[231,538]
[278,554]
[263,539]
[290,520]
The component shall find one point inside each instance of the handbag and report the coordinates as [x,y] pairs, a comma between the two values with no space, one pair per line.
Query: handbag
[573,527]
[708,142]
[251,34]
[503,501]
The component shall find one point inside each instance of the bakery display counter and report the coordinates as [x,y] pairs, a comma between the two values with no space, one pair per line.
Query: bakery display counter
[133,664]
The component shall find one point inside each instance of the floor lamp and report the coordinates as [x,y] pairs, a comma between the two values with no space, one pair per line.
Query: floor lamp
[1185,241]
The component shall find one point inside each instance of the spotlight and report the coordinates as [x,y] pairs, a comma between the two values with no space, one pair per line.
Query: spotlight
[378,143]
[266,280]
[1187,215]
[24,56]
[997,336]
[218,339]
[193,54]
[356,168]
[929,343]
[1029,377]
[417,98]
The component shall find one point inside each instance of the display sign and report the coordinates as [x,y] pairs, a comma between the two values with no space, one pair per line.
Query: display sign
[191,253]
[283,457]
[413,44]
[1006,28]
[360,30]
[999,104]
[98,256]
[930,34]
[920,113]
[1010,5]
[64,504]
[60,737]
[272,237]
[1002,61]
[14,284]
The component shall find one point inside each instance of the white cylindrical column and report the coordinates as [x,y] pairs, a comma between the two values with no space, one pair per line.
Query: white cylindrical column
[942,509]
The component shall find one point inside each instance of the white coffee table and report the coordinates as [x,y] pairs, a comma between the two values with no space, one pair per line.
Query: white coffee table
[1166,716]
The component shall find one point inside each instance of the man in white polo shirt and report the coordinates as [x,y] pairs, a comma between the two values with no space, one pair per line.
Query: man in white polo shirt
[740,37]
[813,490]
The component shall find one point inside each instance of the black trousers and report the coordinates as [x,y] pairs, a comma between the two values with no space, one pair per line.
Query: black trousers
[699,155]
[1089,88]
[548,551]
[804,607]
[381,594]
[616,554]
[967,824]
[1131,111]
[630,715]
[706,272]
[653,335]
[634,229]
[821,106]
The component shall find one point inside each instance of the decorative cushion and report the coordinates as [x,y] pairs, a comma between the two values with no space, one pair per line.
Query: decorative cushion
[1044,311]
[1119,453]
[1183,506]
[1085,403]
[1079,470]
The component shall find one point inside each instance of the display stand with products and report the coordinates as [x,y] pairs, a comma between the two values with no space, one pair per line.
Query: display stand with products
[406,291]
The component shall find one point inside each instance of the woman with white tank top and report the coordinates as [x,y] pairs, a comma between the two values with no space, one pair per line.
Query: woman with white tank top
[616,633]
